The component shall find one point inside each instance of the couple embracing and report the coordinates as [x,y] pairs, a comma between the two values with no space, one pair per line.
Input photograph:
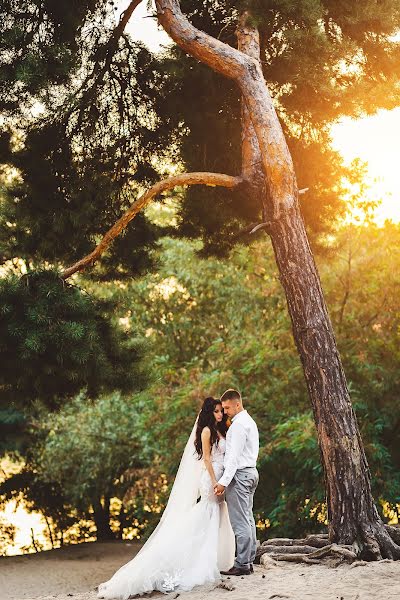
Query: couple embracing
[207,528]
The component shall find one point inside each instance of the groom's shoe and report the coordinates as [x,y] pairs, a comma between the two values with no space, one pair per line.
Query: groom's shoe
[251,569]
[236,571]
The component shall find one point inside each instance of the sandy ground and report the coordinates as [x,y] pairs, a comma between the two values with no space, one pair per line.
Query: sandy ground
[74,572]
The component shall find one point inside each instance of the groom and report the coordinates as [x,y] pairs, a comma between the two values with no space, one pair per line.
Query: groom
[239,480]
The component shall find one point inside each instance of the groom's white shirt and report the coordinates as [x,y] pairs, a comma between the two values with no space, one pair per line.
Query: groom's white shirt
[242,446]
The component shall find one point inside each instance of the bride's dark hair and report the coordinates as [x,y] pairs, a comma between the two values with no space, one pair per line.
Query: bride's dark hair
[207,419]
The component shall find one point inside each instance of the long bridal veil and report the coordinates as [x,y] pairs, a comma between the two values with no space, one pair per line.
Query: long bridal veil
[142,573]
[185,490]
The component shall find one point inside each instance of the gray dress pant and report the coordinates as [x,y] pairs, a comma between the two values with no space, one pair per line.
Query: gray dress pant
[239,497]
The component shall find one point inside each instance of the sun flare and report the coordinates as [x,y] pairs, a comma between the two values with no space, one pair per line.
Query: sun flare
[374,140]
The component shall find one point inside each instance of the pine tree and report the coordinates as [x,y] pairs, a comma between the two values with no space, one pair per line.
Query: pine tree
[56,340]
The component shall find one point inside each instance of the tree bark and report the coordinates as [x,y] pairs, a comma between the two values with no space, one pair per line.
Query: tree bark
[101,510]
[246,71]
[252,170]
[352,515]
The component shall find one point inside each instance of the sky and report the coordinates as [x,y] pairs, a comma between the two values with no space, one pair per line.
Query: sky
[144,27]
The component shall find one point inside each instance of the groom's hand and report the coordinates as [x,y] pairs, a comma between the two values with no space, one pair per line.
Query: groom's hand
[219,489]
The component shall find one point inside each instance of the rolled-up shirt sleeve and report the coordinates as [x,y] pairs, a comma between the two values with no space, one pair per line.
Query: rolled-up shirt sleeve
[234,447]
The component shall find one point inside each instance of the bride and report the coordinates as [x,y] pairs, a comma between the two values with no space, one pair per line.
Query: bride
[194,539]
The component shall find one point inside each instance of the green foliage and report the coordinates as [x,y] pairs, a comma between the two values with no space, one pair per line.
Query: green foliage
[12,431]
[215,324]
[211,324]
[27,487]
[61,202]
[367,318]
[56,340]
[89,118]
[321,60]
[45,34]
[89,445]
[93,134]
[79,458]
[291,489]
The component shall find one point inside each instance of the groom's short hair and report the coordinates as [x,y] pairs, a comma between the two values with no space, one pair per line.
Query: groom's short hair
[231,394]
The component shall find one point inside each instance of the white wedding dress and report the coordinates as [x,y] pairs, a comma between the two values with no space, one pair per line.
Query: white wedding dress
[193,541]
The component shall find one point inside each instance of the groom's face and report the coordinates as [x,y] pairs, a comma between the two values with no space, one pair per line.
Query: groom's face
[231,407]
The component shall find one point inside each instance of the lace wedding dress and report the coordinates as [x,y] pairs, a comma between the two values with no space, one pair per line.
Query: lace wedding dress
[193,542]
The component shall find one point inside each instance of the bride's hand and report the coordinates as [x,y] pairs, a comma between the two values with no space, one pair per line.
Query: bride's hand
[219,489]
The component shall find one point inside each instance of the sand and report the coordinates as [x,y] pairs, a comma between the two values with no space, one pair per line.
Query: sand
[74,572]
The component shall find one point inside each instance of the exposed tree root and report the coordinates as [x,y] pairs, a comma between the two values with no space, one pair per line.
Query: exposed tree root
[394,533]
[292,549]
[380,541]
[297,558]
[318,541]
[316,549]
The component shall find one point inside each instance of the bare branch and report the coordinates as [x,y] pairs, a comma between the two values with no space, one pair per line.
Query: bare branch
[118,31]
[260,226]
[125,16]
[212,179]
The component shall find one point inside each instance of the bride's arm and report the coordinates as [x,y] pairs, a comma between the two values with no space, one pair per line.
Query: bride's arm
[206,444]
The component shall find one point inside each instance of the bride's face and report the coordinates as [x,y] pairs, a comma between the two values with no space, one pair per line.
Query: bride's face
[218,413]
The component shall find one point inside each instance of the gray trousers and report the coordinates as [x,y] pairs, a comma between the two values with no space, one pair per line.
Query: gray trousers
[239,497]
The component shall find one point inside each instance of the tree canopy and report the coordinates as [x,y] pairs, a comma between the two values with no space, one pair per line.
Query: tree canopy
[90,115]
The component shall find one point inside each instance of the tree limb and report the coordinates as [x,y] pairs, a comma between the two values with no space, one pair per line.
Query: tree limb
[246,71]
[118,31]
[212,179]
[125,16]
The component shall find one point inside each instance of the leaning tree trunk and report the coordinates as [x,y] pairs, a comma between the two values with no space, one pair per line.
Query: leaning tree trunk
[353,517]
